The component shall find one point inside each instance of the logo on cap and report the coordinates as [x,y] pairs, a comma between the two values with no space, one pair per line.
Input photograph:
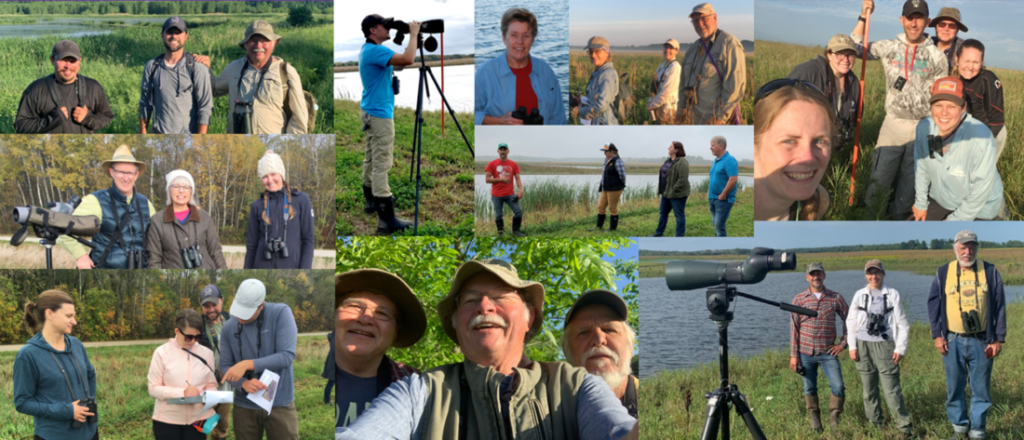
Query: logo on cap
[946,86]
[916,3]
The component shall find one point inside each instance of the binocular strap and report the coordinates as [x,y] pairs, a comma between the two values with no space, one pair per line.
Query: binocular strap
[68,382]
[960,298]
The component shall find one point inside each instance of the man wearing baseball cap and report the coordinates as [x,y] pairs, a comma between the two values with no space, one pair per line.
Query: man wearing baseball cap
[65,102]
[613,183]
[714,73]
[813,344]
[597,336]
[176,95]
[264,92]
[376,310]
[492,313]
[665,85]
[967,313]
[947,25]
[955,157]
[911,63]
[214,317]
[602,87]
[260,336]
[832,73]
[500,173]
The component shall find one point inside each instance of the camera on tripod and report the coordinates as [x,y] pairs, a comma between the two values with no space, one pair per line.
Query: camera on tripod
[401,28]
[275,245]
[531,118]
[192,257]
[90,403]
[690,275]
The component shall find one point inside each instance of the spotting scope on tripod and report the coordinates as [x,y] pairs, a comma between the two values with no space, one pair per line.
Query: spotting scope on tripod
[716,277]
[52,222]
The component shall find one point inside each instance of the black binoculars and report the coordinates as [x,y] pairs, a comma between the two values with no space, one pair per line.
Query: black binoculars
[275,245]
[533,118]
[243,117]
[192,257]
[971,321]
[800,368]
[876,326]
[136,259]
[91,404]
[396,85]
[934,145]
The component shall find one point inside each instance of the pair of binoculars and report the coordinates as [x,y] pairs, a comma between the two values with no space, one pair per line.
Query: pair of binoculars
[136,259]
[91,404]
[192,257]
[275,245]
[971,321]
[876,326]
[532,118]
[243,117]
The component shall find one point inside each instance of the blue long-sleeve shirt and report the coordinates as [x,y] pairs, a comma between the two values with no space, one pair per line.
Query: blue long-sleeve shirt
[41,392]
[276,351]
[602,88]
[168,96]
[496,90]
[397,413]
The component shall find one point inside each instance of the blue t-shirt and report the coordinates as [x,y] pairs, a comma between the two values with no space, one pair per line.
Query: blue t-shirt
[723,168]
[378,97]
[359,392]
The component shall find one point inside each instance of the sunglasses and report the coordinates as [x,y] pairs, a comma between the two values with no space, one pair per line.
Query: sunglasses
[774,85]
[189,338]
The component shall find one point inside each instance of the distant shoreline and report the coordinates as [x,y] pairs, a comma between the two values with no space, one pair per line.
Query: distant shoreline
[435,63]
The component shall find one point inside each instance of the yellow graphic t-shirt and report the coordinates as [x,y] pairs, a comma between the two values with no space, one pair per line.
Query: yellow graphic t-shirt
[971,293]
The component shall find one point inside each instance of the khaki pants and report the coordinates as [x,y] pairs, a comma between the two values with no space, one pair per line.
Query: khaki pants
[893,160]
[666,114]
[221,431]
[1000,143]
[876,363]
[609,200]
[281,424]
[380,146]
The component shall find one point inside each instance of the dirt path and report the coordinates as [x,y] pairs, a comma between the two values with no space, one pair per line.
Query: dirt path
[135,342]
[327,253]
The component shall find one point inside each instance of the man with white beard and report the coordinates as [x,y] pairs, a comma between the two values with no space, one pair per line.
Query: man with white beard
[597,337]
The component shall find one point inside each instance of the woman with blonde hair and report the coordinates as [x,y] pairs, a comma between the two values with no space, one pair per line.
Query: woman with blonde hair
[182,368]
[280,234]
[182,236]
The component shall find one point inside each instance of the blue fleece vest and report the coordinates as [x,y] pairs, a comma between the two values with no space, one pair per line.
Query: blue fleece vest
[139,224]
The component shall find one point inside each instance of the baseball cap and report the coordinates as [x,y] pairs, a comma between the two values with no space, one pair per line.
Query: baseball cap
[813,267]
[64,49]
[248,298]
[875,263]
[599,296]
[914,6]
[210,294]
[703,9]
[502,146]
[966,236]
[948,14]
[259,27]
[597,43]
[672,42]
[948,88]
[609,147]
[841,42]
[175,22]
[373,20]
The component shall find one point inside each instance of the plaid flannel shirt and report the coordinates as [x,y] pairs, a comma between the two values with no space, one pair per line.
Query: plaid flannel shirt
[814,336]
[399,370]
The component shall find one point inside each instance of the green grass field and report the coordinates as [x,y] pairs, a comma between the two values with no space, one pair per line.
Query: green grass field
[446,187]
[778,59]
[673,407]
[126,409]
[116,60]
[553,209]
[642,68]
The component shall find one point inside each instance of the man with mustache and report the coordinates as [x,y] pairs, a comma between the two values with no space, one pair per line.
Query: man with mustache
[495,393]
[262,88]
[911,63]
[714,75]
[947,25]
[967,312]
[813,344]
[376,310]
[214,316]
[955,156]
[598,337]
[832,73]
[176,93]
[65,102]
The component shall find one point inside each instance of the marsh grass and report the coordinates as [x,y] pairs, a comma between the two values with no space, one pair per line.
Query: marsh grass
[30,255]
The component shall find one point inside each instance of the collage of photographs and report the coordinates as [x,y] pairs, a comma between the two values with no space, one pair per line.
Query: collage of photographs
[503,195]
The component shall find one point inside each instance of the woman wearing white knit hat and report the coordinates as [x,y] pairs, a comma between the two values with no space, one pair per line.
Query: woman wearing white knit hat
[182,236]
[280,234]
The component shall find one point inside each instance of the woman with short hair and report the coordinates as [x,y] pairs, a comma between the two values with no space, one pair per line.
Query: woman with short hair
[182,236]
[182,368]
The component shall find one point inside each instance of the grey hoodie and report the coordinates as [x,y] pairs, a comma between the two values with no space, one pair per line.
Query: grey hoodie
[276,351]
[41,391]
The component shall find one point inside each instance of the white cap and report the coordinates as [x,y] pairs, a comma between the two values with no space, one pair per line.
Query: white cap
[248,298]
[176,174]
[271,163]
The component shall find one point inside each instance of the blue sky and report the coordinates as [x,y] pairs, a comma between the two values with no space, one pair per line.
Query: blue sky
[645,22]
[786,235]
[457,15]
[994,23]
[633,251]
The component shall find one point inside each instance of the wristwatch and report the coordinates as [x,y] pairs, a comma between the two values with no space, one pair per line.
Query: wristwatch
[861,18]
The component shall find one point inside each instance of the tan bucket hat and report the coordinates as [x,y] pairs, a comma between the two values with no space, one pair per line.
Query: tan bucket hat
[122,154]
[260,27]
[533,293]
[412,318]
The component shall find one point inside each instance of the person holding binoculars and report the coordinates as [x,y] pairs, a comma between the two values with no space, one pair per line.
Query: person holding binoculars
[54,382]
[967,313]
[182,368]
[186,238]
[281,212]
[878,333]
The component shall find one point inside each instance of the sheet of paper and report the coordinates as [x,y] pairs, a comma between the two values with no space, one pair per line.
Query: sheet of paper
[585,122]
[265,398]
[217,398]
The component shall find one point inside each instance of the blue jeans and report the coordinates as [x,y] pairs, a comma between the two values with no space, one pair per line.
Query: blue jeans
[499,207]
[678,207]
[966,361]
[830,366]
[719,214]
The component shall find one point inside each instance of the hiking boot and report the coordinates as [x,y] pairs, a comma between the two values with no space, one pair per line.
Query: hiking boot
[815,411]
[371,203]
[835,409]
[500,224]
[614,223]
[387,222]
[517,223]
[600,223]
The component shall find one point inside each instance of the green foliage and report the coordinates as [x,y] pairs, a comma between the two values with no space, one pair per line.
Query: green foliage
[301,16]
[566,268]
[158,7]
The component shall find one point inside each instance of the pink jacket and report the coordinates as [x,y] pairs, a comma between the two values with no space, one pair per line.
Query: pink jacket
[170,368]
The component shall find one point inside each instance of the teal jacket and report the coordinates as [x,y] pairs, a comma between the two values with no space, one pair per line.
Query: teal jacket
[964,179]
[41,391]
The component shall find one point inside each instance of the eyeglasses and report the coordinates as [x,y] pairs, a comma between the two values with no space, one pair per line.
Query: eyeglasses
[946,25]
[124,173]
[189,338]
[358,309]
[774,85]
[181,188]
[702,19]
[844,55]
[500,296]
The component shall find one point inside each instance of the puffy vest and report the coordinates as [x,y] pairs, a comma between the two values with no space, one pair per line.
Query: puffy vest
[139,224]
[543,403]
[612,181]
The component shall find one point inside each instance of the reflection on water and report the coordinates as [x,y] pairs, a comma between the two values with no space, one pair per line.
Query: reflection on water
[676,332]
[70,27]
[458,88]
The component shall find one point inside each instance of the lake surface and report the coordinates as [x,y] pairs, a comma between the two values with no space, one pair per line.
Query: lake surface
[458,86]
[552,44]
[635,181]
[71,27]
[676,332]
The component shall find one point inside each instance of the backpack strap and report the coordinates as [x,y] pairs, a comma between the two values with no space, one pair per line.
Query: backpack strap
[80,85]
[51,84]
[287,89]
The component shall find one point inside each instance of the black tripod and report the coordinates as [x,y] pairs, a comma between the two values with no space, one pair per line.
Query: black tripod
[417,145]
[718,299]
[48,238]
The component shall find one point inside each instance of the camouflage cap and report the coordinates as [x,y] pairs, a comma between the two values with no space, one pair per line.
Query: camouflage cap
[966,236]
[813,267]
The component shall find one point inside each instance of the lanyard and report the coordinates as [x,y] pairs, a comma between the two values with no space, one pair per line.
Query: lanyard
[912,59]
[259,77]
[266,211]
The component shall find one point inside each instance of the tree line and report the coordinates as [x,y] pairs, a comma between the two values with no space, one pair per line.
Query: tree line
[160,7]
[935,243]
[141,304]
